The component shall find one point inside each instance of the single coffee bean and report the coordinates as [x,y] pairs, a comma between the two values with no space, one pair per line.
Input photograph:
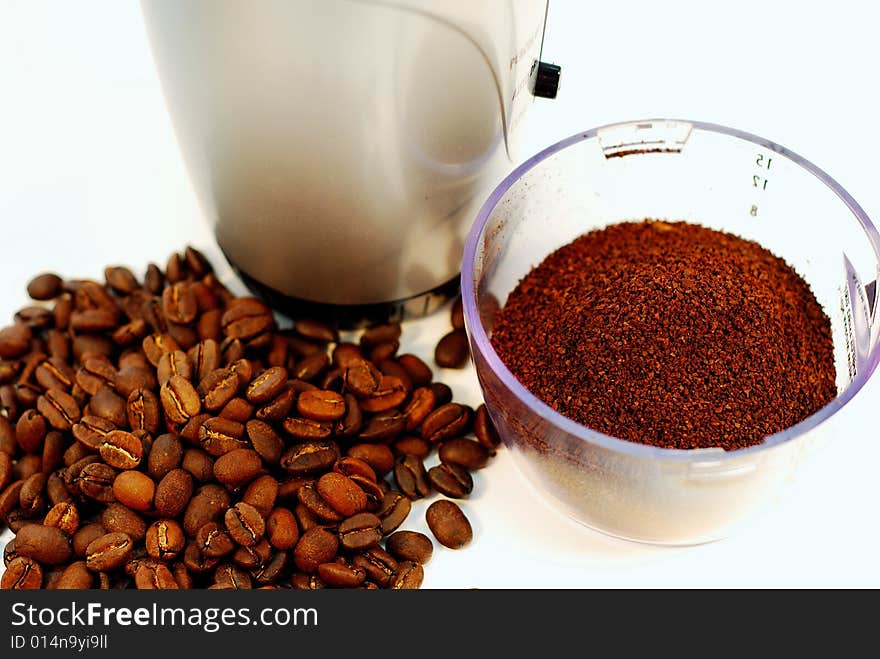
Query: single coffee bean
[154,279]
[244,524]
[379,565]
[238,467]
[452,350]
[253,557]
[53,451]
[361,377]
[91,431]
[218,388]
[190,430]
[196,562]
[378,456]
[5,470]
[198,464]
[267,385]
[108,552]
[456,316]
[352,421]
[91,345]
[156,345]
[45,286]
[360,531]
[63,516]
[464,452]
[94,320]
[413,446]
[197,263]
[75,576]
[310,457]
[46,544]
[179,303]
[84,536]
[315,546]
[37,318]
[390,393]
[314,330]
[205,358]
[95,373]
[32,497]
[442,393]
[173,363]
[393,510]
[237,409]
[373,336]
[28,465]
[419,372]
[30,431]
[262,494]
[219,436]
[14,340]
[266,442]
[117,518]
[55,373]
[57,490]
[343,494]
[321,405]
[409,576]
[165,455]
[121,450]
[451,479]
[279,407]
[231,577]
[173,492]
[450,420]
[121,279]
[281,529]
[208,325]
[179,399]
[246,318]
[311,367]
[410,476]
[308,496]
[96,480]
[350,466]
[449,524]
[337,575]
[107,404]
[209,503]
[22,573]
[213,541]
[152,575]
[410,546]
[135,490]
[303,581]
[59,408]
[485,430]
[420,405]
[165,540]
[383,426]
[382,352]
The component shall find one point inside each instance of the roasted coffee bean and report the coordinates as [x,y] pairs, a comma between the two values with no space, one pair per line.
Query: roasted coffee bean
[196,562]
[92,345]
[14,340]
[208,325]
[9,369]
[95,373]
[238,467]
[238,409]
[253,557]
[213,541]
[378,456]
[311,367]
[303,581]
[308,496]
[464,452]
[450,420]
[185,335]
[58,344]
[485,430]
[315,546]
[121,450]
[410,546]
[165,540]
[419,372]
[84,536]
[62,310]
[108,552]
[246,318]
[379,565]
[360,531]
[152,575]
[166,454]
[173,363]
[390,393]
[198,464]
[383,351]
[451,479]
[46,544]
[96,482]
[230,577]
[449,524]
[420,405]
[279,407]
[32,497]
[94,320]
[63,516]
[190,430]
[281,529]
[117,518]
[266,442]
[156,345]
[154,279]
[173,492]
[232,351]
[456,316]
[179,303]
[30,431]
[383,426]
[204,358]
[244,524]
[321,405]
[181,576]
[337,575]
[343,494]
[452,351]
[409,576]
[5,470]
[55,373]
[262,494]
[267,385]
[345,354]
[26,395]
[219,436]
[59,408]
[8,443]
[289,488]
[107,404]
[375,335]
[209,503]
[219,387]
[442,393]
[350,466]
[8,402]
[75,576]
[310,458]
[22,573]
[196,262]
[393,511]
[130,333]
[121,279]
[91,431]
[45,286]
[179,399]
[410,476]
[135,490]
[316,331]
[56,490]
[411,445]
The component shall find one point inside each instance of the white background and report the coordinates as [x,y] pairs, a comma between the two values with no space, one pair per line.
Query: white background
[90,174]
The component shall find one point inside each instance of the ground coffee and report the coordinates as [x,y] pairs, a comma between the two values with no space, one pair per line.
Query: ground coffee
[669,334]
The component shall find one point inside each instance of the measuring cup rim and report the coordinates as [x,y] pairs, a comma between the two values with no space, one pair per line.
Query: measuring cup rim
[481,340]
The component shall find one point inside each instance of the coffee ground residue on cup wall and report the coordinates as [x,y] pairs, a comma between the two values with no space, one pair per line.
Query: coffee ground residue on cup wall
[669,334]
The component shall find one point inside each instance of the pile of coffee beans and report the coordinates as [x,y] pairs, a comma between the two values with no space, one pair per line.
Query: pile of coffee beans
[166,434]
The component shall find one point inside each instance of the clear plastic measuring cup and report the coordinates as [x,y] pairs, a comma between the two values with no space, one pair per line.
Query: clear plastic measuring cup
[678,170]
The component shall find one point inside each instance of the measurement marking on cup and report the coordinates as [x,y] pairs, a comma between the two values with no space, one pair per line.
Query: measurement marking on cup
[758,180]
